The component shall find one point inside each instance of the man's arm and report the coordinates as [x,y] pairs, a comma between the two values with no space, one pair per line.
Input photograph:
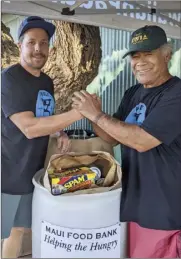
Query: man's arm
[33,127]
[128,134]
[105,136]
[18,108]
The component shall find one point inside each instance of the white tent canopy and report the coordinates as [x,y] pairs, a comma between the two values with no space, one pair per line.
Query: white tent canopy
[125,15]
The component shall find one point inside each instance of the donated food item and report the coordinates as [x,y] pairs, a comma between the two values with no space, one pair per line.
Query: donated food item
[62,183]
[97,171]
[69,171]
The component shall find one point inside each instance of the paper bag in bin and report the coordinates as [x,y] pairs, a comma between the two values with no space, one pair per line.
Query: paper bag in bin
[110,169]
[78,145]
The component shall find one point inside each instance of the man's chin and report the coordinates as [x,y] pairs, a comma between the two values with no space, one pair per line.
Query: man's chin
[143,80]
[38,66]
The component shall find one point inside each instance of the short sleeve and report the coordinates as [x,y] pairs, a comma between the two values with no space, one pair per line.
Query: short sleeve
[13,96]
[119,114]
[164,121]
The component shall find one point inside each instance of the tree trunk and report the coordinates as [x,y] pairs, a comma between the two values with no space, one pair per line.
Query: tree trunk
[9,50]
[73,61]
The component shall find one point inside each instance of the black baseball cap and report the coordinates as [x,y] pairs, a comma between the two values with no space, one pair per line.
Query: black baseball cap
[36,22]
[147,38]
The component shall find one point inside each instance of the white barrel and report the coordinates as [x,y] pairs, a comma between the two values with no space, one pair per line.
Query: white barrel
[76,226]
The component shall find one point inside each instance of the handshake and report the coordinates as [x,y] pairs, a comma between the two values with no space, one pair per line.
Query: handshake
[86,105]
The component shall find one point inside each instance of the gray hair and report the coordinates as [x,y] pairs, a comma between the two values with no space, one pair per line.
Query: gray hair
[167,49]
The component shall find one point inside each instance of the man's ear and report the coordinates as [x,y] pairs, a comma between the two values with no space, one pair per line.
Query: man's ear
[19,46]
[168,57]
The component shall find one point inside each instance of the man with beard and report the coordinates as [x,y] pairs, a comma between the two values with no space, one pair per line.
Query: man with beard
[148,125]
[27,121]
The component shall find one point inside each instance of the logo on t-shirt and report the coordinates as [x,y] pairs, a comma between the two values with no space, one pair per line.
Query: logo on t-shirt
[137,115]
[45,104]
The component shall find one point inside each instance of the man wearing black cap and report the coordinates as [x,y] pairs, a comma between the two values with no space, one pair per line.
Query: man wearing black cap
[148,125]
[27,121]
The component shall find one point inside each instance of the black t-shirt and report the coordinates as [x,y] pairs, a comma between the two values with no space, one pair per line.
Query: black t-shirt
[22,157]
[152,180]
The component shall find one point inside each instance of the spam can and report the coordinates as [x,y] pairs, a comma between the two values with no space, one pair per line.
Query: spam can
[65,184]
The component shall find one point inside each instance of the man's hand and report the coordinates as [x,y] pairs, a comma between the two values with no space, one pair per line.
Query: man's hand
[78,115]
[88,105]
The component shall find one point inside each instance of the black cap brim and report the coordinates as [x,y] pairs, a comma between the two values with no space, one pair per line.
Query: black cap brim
[47,26]
[143,49]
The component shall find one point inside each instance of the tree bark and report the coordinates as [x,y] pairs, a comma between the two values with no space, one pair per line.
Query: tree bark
[9,50]
[73,61]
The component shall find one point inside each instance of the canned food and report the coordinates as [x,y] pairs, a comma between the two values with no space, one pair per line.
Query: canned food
[65,184]
[97,171]
[73,179]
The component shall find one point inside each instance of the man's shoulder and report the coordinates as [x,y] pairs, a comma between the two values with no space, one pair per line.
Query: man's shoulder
[10,76]
[132,90]
[176,82]
[47,77]
[10,70]
[173,87]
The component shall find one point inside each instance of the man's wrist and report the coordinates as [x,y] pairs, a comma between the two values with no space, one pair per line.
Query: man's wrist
[96,118]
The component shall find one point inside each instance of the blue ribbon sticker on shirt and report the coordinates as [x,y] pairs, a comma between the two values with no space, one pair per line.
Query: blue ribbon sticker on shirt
[45,104]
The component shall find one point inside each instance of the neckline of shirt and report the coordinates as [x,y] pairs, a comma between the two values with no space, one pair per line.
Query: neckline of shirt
[159,86]
[29,74]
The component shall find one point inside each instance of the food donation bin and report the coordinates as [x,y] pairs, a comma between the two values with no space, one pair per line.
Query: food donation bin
[76,226]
